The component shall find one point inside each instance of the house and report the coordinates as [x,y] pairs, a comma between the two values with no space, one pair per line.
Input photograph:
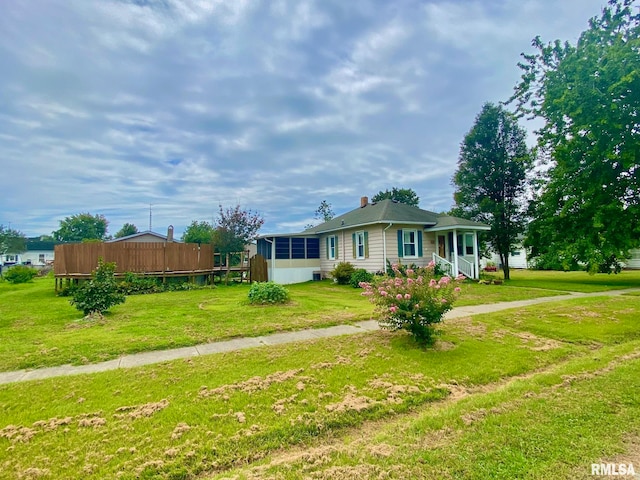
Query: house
[371,235]
[518,257]
[39,253]
[146,237]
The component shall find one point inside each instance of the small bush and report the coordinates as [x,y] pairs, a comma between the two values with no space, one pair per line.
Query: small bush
[264,293]
[413,300]
[100,293]
[360,275]
[20,274]
[342,273]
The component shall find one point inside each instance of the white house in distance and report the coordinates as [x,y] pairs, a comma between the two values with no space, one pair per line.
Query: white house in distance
[39,253]
[368,237]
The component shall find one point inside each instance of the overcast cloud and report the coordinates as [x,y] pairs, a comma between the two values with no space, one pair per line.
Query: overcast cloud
[109,106]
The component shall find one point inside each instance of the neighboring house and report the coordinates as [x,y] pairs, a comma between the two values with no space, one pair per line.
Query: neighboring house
[9,259]
[146,236]
[371,235]
[634,261]
[39,252]
[517,257]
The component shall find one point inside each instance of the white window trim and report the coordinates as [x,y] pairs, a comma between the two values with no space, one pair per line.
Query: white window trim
[415,243]
[332,247]
[360,235]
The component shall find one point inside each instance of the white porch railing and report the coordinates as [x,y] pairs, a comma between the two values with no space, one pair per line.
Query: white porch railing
[445,265]
[466,268]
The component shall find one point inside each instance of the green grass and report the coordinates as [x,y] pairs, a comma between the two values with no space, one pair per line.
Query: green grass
[573,281]
[497,398]
[40,329]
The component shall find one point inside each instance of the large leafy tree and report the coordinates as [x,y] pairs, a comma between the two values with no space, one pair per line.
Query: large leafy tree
[126,230]
[587,209]
[199,232]
[492,176]
[235,228]
[11,240]
[402,195]
[82,227]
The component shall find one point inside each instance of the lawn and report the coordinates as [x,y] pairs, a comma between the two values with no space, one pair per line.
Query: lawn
[40,329]
[572,281]
[534,392]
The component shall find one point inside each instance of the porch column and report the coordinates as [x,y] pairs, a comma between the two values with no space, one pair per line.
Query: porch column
[437,244]
[455,253]
[476,273]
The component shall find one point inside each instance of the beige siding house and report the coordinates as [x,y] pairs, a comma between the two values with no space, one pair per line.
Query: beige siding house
[372,236]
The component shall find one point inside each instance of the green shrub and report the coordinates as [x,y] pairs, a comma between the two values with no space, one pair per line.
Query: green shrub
[263,293]
[413,300]
[133,284]
[360,275]
[342,273]
[100,293]
[20,274]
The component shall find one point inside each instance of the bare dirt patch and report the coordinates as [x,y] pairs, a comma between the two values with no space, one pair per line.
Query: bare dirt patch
[351,402]
[139,411]
[251,385]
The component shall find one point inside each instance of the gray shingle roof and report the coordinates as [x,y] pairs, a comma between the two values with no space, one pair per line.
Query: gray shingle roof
[385,211]
[389,211]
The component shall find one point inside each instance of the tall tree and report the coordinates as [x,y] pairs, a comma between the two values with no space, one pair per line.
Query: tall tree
[588,95]
[199,232]
[11,240]
[402,195]
[126,230]
[324,212]
[491,178]
[82,227]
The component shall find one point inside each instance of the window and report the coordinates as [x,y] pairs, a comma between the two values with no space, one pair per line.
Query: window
[41,258]
[409,242]
[515,253]
[297,248]
[360,250]
[282,248]
[460,240]
[468,243]
[331,247]
[313,248]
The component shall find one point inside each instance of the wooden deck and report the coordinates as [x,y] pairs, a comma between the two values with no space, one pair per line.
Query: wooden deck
[76,262]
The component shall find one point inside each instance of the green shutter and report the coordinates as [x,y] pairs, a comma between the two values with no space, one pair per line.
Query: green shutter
[419,243]
[353,244]
[336,244]
[326,241]
[400,244]
[366,244]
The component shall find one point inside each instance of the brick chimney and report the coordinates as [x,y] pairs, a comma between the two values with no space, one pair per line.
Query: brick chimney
[364,201]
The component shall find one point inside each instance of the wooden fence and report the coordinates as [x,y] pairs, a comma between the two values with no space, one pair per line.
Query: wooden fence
[258,269]
[80,259]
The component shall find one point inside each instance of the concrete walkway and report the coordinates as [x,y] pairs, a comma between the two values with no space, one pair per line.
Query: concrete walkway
[158,356]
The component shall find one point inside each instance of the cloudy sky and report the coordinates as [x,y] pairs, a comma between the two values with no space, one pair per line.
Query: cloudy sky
[108,106]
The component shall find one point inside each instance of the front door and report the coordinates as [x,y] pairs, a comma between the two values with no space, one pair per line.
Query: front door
[441,246]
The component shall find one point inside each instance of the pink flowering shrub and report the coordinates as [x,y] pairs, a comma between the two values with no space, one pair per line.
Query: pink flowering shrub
[414,300]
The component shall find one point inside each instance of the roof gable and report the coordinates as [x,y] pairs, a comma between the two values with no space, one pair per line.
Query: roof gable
[385,211]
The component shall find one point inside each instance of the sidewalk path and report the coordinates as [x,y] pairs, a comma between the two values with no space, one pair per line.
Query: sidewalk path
[158,356]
